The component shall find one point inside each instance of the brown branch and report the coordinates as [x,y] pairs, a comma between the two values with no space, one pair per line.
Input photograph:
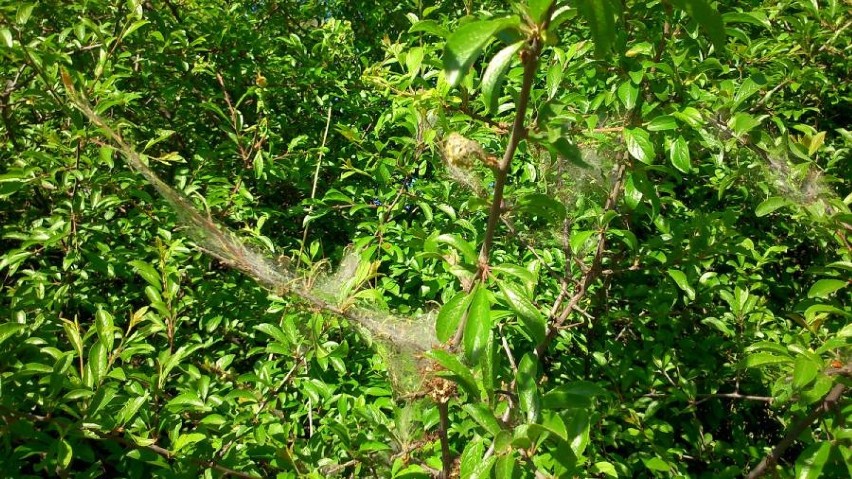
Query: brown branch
[828,403]
[707,397]
[320,157]
[446,456]
[529,57]
[502,170]
[592,273]
[246,155]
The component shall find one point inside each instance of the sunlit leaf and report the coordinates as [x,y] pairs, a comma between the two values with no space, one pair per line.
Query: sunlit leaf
[708,18]
[601,15]
[639,145]
[527,388]
[466,43]
[492,79]
[679,155]
[769,205]
[450,315]
[538,8]
[824,287]
[478,324]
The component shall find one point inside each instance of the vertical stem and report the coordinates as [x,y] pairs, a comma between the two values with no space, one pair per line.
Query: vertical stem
[530,59]
[316,179]
[530,67]
[446,457]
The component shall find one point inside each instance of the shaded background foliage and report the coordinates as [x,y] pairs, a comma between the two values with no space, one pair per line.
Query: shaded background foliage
[128,353]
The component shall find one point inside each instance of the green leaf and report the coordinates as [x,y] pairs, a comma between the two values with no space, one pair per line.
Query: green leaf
[463,246]
[186,439]
[553,80]
[769,205]
[492,79]
[632,195]
[708,18]
[7,330]
[578,431]
[531,318]
[657,464]
[825,287]
[483,468]
[662,123]
[478,324]
[7,37]
[748,88]
[459,372]
[25,10]
[483,415]
[565,148]
[490,365]
[679,155]
[64,454]
[550,424]
[561,15]
[505,467]
[105,328]
[763,359]
[273,331]
[538,8]
[805,370]
[573,395]
[450,314]
[601,15]
[471,456]
[639,145]
[527,277]
[742,123]
[98,362]
[754,18]
[627,237]
[130,408]
[169,361]
[466,43]
[527,387]
[148,273]
[690,116]
[605,468]
[73,333]
[811,462]
[815,143]
[430,26]
[579,239]
[680,278]
[190,401]
[135,26]
[628,93]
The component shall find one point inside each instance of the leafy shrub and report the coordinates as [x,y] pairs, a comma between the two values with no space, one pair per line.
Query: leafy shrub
[583,238]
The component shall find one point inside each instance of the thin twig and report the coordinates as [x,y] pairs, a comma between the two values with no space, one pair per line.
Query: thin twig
[316,180]
[709,396]
[502,170]
[828,403]
[591,273]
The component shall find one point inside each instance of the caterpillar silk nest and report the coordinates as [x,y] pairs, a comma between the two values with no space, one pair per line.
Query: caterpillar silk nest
[462,152]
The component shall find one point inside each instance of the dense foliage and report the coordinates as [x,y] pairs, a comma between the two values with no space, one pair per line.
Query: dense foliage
[584,238]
